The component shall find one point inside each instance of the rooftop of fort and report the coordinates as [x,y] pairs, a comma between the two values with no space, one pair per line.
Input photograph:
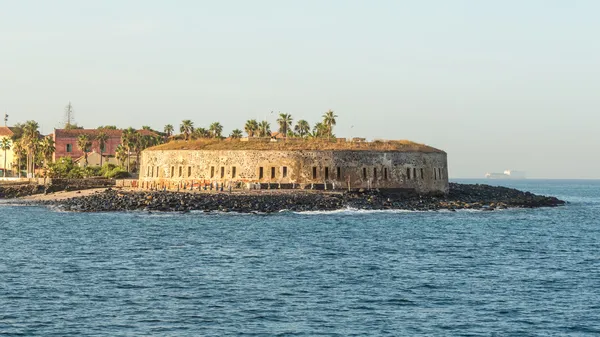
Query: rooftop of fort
[296,144]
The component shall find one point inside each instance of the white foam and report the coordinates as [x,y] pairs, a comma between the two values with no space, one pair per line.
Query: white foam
[351,210]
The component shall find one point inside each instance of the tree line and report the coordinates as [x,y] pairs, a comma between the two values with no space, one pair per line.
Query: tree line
[262,129]
[32,150]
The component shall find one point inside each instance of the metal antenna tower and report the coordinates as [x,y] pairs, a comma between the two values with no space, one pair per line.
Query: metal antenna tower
[69,115]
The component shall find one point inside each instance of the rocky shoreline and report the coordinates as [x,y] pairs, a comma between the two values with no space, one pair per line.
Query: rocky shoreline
[461,196]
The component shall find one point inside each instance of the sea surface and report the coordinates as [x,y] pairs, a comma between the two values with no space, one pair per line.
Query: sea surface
[521,272]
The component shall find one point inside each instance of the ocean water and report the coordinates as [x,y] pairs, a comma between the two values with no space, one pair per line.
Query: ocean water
[520,272]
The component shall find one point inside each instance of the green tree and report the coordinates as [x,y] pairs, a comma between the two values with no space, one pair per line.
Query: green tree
[285,122]
[319,131]
[329,121]
[122,154]
[20,153]
[302,128]
[200,133]
[84,143]
[264,129]
[251,127]
[101,139]
[31,138]
[73,127]
[128,138]
[236,134]
[216,129]
[5,145]
[169,130]
[47,148]
[107,127]
[186,127]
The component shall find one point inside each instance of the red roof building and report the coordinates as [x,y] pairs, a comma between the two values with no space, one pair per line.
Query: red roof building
[66,141]
[5,131]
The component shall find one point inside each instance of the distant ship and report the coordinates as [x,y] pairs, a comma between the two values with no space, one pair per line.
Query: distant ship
[508,174]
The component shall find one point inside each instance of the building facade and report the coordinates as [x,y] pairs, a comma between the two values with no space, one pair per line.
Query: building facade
[423,172]
[8,157]
[65,141]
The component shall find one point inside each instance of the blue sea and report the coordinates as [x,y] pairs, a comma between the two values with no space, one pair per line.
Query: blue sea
[519,272]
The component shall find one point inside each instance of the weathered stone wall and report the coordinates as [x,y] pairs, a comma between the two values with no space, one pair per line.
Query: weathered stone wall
[424,172]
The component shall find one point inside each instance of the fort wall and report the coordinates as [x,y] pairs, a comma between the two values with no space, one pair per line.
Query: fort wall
[424,172]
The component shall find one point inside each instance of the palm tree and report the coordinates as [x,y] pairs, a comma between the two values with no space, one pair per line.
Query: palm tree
[47,149]
[128,139]
[285,122]
[186,127]
[200,133]
[101,138]
[216,129]
[122,154]
[251,127]
[169,130]
[236,134]
[19,151]
[31,137]
[139,143]
[302,128]
[5,145]
[84,143]
[319,130]
[329,121]
[264,129]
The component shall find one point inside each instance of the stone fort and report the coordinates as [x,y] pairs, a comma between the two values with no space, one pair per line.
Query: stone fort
[304,164]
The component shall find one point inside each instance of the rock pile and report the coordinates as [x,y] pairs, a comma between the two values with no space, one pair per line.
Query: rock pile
[17,191]
[461,196]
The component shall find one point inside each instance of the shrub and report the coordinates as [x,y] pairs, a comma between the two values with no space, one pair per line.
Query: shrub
[75,173]
[107,167]
[117,173]
[61,168]
[91,171]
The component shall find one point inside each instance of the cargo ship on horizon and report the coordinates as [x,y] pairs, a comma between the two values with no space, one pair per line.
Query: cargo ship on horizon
[508,174]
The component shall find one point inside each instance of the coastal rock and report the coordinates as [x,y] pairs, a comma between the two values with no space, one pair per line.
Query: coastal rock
[461,196]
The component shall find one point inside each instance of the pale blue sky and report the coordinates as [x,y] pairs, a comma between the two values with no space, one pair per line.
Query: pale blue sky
[496,84]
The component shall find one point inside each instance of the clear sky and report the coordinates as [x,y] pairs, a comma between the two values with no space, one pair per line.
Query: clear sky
[512,84]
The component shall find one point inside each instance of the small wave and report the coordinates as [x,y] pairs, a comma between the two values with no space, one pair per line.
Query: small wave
[352,210]
[579,200]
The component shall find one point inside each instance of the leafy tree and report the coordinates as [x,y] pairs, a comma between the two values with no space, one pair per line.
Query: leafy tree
[329,121]
[236,134]
[285,122]
[216,129]
[302,128]
[5,145]
[101,139]
[61,168]
[84,144]
[17,130]
[251,127]
[186,127]
[107,127]
[264,129]
[73,127]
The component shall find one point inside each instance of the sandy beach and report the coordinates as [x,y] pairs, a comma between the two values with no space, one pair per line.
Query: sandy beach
[62,195]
